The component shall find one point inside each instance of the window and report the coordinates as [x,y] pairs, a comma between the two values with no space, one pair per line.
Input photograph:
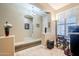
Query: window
[60,25]
[70,22]
[65,20]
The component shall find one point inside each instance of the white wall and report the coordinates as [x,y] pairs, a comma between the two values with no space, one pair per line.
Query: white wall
[47,8]
[37,31]
[45,23]
[30,30]
[15,16]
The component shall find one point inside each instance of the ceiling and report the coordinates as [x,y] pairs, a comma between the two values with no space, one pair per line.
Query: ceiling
[57,6]
[32,10]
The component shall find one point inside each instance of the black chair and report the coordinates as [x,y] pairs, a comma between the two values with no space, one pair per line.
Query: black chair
[60,39]
[50,44]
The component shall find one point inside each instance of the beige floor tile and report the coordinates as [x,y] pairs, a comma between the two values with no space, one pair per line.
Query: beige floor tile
[40,51]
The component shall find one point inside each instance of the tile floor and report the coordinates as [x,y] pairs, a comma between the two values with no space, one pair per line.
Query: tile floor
[40,51]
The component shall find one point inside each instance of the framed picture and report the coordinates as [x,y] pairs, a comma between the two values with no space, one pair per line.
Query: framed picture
[26,26]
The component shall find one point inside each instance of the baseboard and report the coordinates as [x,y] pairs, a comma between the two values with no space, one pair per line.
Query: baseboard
[27,45]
